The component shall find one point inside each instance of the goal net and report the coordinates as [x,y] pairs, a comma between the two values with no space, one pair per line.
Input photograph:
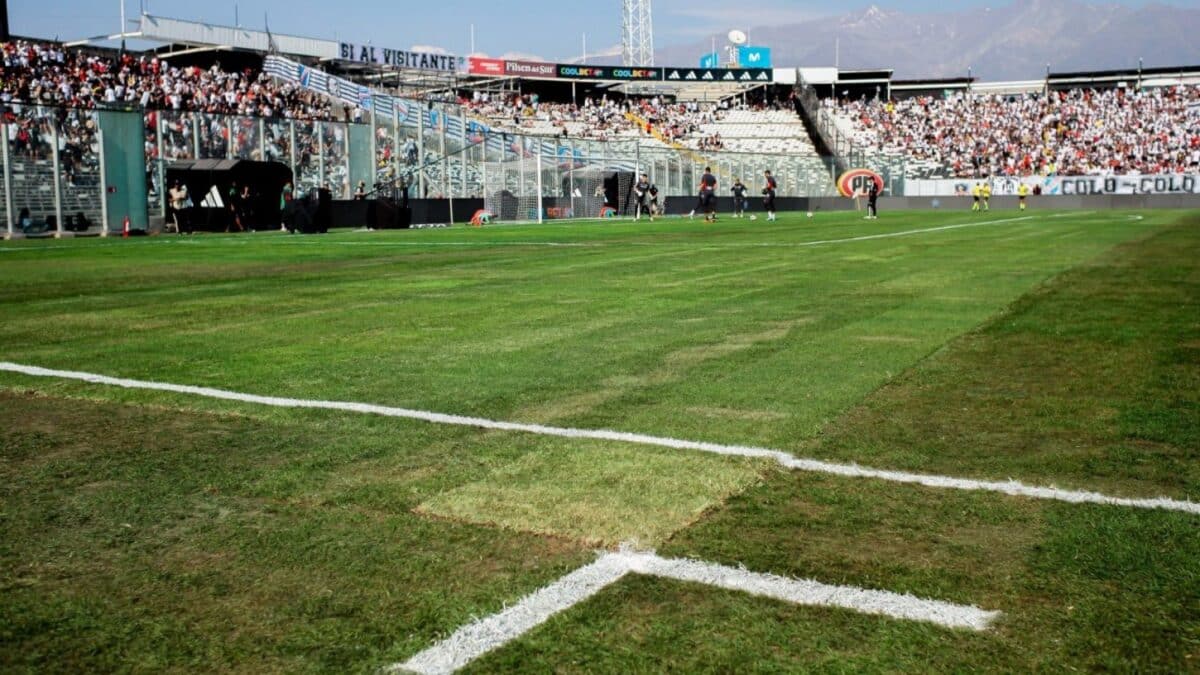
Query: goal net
[533,180]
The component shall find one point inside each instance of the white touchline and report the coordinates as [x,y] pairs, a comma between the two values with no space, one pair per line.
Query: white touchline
[484,635]
[785,459]
[222,241]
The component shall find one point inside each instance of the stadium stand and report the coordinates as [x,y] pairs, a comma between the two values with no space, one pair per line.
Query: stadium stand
[1073,132]
[48,74]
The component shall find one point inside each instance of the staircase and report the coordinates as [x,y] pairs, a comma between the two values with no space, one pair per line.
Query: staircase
[691,154]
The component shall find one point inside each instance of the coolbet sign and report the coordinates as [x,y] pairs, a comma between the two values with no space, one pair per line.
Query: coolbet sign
[608,73]
[399,58]
[856,181]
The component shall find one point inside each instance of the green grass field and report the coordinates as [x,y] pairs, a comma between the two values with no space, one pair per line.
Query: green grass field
[149,531]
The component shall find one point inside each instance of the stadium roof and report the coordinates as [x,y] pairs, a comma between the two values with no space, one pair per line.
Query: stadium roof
[942,83]
[199,34]
[1146,77]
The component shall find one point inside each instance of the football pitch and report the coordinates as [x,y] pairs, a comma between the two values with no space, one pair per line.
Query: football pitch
[933,442]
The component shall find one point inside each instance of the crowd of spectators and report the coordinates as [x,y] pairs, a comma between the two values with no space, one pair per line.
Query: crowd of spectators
[49,74]
[31,136]
[1075,132]
[597,118]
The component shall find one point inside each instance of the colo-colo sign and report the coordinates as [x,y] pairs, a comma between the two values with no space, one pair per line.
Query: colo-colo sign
[856,181]
[609,73]
[1127,185]
[399,58]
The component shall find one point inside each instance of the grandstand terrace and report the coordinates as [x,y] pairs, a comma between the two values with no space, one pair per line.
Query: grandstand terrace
[1114,122]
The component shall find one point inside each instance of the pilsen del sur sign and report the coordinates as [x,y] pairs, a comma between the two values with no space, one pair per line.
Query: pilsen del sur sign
[399,58]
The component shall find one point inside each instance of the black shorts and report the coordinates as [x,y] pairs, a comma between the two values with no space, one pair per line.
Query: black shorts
[769,201]
[708,199]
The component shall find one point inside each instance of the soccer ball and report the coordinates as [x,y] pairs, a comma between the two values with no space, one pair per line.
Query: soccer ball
[753,217]
[810,214]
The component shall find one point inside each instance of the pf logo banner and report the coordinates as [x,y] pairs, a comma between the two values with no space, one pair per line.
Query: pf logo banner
[856,181]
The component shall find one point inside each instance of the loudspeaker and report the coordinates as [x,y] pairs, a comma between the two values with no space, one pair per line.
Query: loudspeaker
[314,213]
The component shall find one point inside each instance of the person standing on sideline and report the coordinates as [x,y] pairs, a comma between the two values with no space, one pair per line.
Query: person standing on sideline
[708,195]
[179,206]
[1023,195]
[769,195]
[235,212]
[977,196]
[285,206]
[739,199]
[360,192]
[987,195]
[641,190]
[873,201]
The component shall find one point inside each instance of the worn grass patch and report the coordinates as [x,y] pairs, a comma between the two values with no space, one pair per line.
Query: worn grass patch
[144,538]
[1091,381]
[146,531]
[599,495]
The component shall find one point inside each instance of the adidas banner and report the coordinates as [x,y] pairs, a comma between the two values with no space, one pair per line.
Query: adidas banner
[728,75]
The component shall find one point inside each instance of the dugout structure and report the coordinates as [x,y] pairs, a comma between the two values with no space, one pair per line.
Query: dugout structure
[209,181]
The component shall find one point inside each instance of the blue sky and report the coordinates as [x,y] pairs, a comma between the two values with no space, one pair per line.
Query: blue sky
[550,29]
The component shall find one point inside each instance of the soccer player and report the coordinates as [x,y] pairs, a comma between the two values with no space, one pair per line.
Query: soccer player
[655,208]
[699,205]
[987,195]
[769,195]
[873,201]
[739,199]
[641,190]
[976,196]
[1023,194]
[708,197]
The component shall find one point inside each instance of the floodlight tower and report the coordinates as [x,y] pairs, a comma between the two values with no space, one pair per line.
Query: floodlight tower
[637,33]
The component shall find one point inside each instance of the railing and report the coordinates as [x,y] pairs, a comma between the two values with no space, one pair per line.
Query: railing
[82,170]
[847,154]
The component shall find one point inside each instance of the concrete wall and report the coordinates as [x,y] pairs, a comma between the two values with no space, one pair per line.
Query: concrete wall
[429,211]
[1086,203]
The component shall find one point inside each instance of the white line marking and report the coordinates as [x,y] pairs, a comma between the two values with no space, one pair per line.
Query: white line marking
[785,459]
[480,637]
[906,233]
[815,593]
[484,635]
[689,244]
[279,239]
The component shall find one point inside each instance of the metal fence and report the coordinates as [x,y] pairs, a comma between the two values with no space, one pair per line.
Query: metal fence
[73,170]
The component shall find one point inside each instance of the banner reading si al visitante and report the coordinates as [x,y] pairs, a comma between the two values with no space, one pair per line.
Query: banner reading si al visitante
[400,58]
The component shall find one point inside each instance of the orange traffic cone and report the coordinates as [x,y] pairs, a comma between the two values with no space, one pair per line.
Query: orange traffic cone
[125,231]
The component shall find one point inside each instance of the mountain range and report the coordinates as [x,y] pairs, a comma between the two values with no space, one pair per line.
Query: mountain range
[1015,41]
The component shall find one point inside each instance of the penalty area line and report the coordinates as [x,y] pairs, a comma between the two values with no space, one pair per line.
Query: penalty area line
[785,459]
[487,634]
